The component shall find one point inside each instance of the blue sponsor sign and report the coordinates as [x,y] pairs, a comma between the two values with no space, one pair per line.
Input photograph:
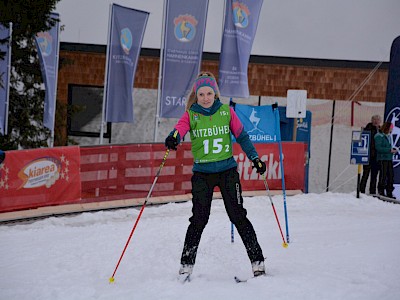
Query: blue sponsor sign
[258,121]
[360,142]
[185,25]
[265,126]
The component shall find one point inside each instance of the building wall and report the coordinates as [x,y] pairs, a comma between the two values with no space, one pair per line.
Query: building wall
[321,82]
[272,77]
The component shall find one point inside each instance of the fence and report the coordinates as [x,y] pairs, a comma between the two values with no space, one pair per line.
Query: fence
[73,175]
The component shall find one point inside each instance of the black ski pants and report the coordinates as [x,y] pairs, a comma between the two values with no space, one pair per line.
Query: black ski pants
[203,185]
[372,168]
[386,178]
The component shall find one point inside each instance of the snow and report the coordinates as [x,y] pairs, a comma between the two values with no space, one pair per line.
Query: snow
[341,247]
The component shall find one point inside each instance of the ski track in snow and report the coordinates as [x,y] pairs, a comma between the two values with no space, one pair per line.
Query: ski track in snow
[340,247]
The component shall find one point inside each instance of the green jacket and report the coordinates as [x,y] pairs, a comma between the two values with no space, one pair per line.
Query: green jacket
[383,147]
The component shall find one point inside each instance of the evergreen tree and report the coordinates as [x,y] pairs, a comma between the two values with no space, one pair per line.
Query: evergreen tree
[26,103]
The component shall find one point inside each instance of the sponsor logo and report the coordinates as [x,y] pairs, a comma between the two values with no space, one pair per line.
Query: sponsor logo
[394,118]
[44,41]
[40,172]
[302,125]
[126,40]
[256,134]
[185,28]
[240,14]
[238,193]
[247,172]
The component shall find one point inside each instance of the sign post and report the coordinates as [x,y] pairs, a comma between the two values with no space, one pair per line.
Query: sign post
[360,141]
[296,107]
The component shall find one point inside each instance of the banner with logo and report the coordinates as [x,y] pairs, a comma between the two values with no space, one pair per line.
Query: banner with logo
[269,153]
[5,65]
[258,121]
[241,20]
[392,108]
[125,41]
[39,177]
[47,44]
[184,29]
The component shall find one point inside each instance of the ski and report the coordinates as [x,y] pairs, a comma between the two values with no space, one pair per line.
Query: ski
[385,198]
[184,278]
[241,280]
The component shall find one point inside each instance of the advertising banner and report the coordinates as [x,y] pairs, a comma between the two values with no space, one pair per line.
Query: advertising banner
[47,44]
[241,20]
[126,35]
[258,121]
[130,174]
[392,109]
[184,28]
[5,65]
[269,153]
[39,177]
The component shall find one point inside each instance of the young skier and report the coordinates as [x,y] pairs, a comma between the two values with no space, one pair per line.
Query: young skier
[210,124]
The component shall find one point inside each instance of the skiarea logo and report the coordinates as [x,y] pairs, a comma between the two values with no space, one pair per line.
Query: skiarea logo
[394,118]
[43,171]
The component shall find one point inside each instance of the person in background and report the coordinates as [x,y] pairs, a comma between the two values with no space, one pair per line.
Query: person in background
[385,153]
[210,124]
[373,166]
[2,156]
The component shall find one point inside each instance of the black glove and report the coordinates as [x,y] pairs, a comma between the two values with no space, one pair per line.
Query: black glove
[171,142]
[259,165]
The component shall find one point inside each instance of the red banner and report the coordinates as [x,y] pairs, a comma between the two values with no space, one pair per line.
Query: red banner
[65,175]
[294,161]
[39,177]
[121,172]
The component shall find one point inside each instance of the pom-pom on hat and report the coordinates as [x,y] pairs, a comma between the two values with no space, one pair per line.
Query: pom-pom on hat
[205,80]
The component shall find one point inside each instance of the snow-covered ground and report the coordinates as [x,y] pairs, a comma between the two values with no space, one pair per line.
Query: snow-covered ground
[340,247]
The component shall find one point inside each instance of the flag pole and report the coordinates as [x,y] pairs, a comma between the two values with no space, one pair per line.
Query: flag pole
[8,76]
[55,84]
[230,102]
[105,90]
[160,72]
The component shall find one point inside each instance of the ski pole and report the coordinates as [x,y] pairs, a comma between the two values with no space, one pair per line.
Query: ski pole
[140,213]
[284,244]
